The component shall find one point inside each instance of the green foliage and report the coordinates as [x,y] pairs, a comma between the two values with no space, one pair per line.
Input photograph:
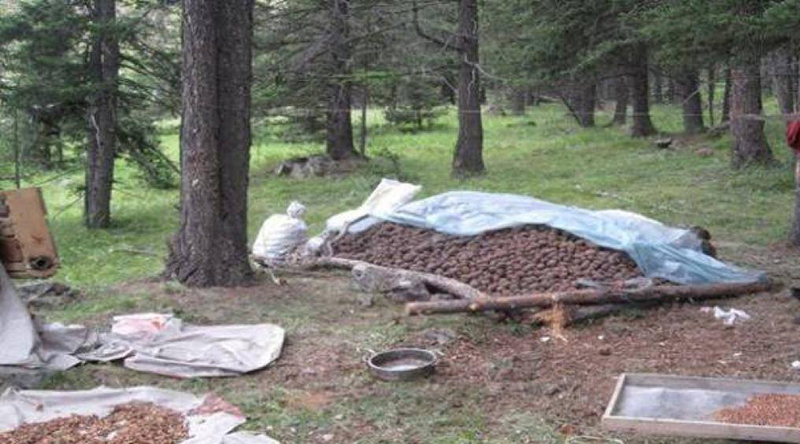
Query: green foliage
[549,42]
[697,32]
[139,144]
[43,50]
[387,60]
[414,102]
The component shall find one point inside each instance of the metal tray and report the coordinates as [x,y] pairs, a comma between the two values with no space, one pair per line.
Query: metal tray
[684,406]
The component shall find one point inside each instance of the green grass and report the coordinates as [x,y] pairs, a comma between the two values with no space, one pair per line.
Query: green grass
[543,154]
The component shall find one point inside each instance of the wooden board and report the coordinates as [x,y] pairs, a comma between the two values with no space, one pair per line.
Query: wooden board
[689,410]
[27,249]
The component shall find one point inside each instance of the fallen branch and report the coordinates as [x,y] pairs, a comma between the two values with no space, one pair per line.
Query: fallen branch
[660,293]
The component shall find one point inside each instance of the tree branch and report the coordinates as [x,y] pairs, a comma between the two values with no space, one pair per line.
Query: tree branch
[426,36]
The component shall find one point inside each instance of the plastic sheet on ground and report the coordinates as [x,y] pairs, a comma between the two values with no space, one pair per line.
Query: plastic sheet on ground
[26,345]
[154,343]
[161,344]
[206,425]
[659,251]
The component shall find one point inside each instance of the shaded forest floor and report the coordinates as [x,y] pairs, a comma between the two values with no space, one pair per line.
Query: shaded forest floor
[498,383]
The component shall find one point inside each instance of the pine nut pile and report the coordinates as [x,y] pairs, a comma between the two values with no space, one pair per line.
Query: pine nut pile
[766,410]
[133,423]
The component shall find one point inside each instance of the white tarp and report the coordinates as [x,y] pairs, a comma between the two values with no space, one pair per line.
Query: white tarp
[154,343]
[162,344]
[24,345]
[206,425]
[387,197]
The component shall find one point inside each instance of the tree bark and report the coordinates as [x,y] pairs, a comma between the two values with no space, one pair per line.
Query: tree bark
[340,89]
[669,96]
[711,87]
[468,154]
[621,95]
[783,79]
[642,125]
[688,87]
[101,119]
[363,135]
[726,97]
[518,101]
[658,88]
[794,235]
[581,99]
[747,125]
[210,246]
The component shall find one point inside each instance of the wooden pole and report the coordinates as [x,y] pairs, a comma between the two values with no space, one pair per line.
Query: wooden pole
[659,293]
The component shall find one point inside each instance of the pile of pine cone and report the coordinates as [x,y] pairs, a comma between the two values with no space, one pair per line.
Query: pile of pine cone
[504,262]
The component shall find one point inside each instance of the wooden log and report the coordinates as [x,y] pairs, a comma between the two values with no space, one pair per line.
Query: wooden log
[660,293]
[364,271]
[581,313]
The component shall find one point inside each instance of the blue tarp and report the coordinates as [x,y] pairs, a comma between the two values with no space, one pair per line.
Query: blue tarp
[659,251]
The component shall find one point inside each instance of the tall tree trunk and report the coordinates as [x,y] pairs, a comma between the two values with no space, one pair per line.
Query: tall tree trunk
[101,119]
[340,90]
[621,95]
[794,235]
[642,125]
[782,78]
[795,69]
[17,151]
[711,87]
[518,101]
[581,99]
[210,246]
[363,134]
[669,96]
[726,96]
[468,154]
[658,88]
[747,126]
[688,87]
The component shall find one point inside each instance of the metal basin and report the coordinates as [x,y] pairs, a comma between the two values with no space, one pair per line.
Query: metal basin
[402,364]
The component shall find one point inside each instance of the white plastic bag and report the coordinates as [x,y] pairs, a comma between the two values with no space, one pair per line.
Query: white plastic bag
[280,235]
[388,196]
[144,325]
[728,317]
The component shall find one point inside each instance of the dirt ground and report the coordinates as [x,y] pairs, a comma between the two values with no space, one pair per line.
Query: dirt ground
[496,383]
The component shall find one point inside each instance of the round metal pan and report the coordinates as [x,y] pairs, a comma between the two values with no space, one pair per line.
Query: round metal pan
[402,364]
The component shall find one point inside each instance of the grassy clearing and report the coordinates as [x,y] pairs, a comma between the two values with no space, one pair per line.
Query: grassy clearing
[542,154]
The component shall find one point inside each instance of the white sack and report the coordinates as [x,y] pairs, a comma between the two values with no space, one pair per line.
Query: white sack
[280,234]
